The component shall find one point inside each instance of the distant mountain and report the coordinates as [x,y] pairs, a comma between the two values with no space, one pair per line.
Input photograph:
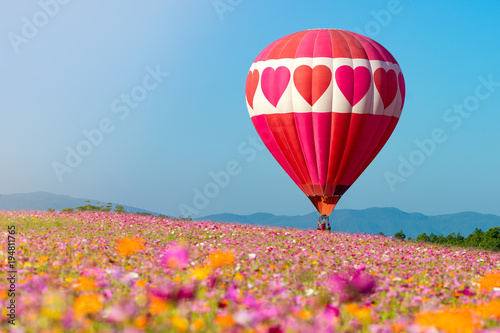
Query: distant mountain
[370,221]
[46,200]
[374,220]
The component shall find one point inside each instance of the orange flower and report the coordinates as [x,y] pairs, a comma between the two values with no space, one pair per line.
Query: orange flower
[220,258]
[127,246]
[397,327]
[87,304]
[198,324]
[84,284]
[156,305]
[490,281]
[357,311]
[305,314]
[224,320]
[141,322]
[489,310]
[449,320]
[141,283]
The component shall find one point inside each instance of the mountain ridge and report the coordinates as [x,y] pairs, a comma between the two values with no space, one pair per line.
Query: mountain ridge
[388,220]
[42,200]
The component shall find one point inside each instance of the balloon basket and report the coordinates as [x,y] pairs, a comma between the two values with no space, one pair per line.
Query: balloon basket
[324,223]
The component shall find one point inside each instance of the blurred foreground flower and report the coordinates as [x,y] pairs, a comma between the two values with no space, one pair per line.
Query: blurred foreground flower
[87,304]
[351,289]
[175,257]
[490,281]
[449,320]
[127,246]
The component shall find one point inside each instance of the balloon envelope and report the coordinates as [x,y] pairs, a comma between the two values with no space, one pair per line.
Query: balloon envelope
[324,102]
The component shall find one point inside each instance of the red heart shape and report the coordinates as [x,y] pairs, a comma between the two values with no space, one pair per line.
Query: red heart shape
[312,83]
[274,83]
[402,88]
[251,86]
[387,85]
[353,83]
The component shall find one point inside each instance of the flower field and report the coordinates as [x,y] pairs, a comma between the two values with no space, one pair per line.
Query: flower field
[116,272]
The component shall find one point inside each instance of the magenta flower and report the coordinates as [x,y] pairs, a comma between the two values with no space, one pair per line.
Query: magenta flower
[351,288]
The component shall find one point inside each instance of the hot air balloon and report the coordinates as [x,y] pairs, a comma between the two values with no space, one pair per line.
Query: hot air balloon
[324,102]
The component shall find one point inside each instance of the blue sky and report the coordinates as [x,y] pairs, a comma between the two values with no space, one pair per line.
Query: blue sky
[69,68]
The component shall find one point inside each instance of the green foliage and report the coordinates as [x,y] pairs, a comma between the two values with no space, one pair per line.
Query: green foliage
[489,240]
[120,209]
[188,218]
[400,235]
[423,238]
[67,210]
[144,213]
[51,210]
[93,208]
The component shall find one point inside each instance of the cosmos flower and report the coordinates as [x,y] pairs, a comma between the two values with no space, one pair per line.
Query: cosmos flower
[175,257]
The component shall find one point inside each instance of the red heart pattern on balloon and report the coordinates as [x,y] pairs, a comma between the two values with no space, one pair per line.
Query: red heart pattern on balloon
[251,86]
[312,83]
[386,83]
[274,83]
[353,83]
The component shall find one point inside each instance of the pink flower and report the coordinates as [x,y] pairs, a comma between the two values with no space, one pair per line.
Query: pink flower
[351,288]
[175,257]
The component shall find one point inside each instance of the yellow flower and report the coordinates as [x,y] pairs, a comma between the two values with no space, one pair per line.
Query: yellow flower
[490,281]
[238,276]
[180,324]
[449,320]
[357,311]
[198,324]
[200,273]
[87,304]
[220,258]
[127,246]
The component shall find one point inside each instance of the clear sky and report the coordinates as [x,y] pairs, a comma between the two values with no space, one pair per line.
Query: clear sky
[141,102]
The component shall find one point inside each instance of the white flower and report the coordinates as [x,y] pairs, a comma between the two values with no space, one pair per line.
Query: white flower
[252,255]
[309,292]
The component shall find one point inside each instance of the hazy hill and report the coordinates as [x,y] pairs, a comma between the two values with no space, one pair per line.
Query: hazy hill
[371,220]
[46,200]
[374,220]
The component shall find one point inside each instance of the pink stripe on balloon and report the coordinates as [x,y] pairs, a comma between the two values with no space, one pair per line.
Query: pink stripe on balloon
[304,124]
[323,46]
[306,46]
